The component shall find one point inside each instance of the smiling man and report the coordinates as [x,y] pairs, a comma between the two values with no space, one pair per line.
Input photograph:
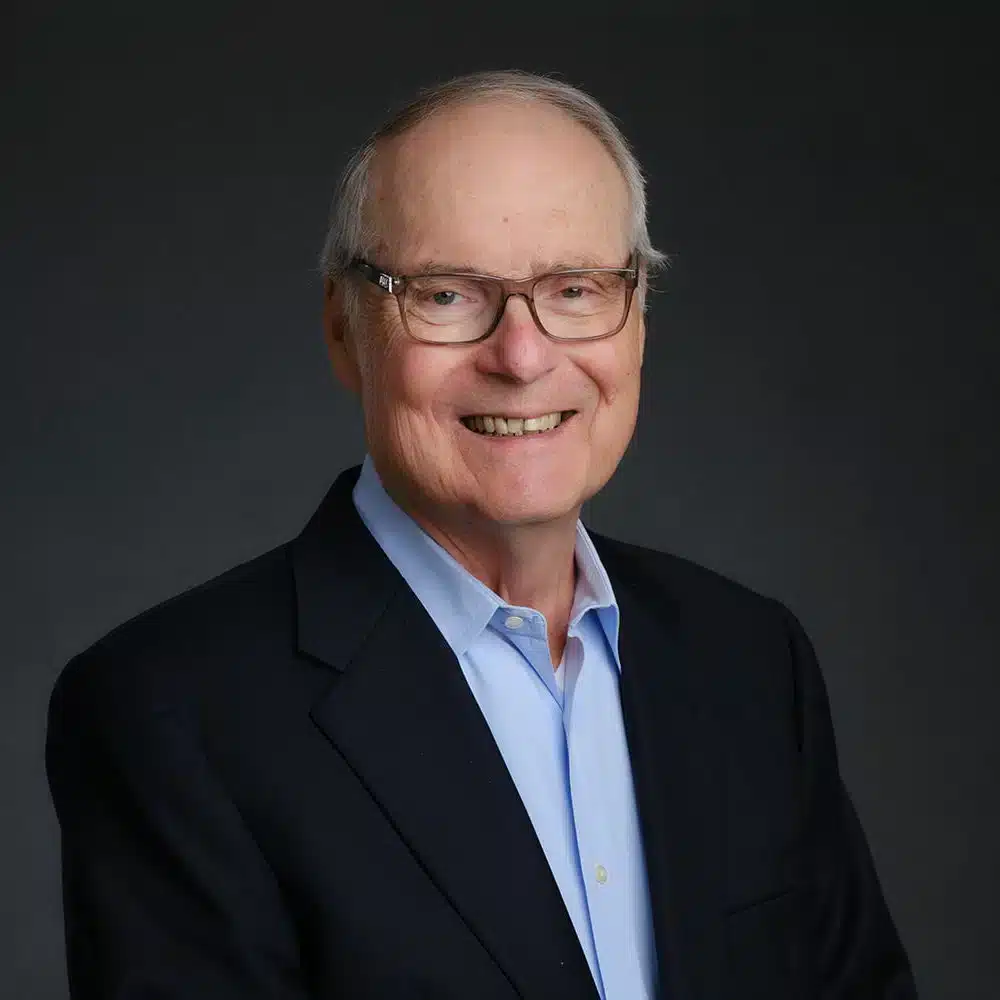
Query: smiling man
[447,743]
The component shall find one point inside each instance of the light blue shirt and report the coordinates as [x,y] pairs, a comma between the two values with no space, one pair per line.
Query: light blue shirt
[560,732]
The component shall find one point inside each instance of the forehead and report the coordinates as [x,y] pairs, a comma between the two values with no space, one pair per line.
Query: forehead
[504,187]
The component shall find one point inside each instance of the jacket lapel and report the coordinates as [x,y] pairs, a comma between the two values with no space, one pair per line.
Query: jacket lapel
[676,749]
[401,714]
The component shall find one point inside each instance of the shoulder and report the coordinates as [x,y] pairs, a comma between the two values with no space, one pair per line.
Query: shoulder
[750,638]
[670,580]
[183,646]
[751,647]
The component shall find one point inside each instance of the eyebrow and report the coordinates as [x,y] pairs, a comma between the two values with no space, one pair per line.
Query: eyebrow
[579,262]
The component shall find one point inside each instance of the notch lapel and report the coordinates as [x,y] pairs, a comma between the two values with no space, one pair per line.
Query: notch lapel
[678,770]
[401,714]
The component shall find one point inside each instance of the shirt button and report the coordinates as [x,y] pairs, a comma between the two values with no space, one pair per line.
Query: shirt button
[602,874]
[514,621]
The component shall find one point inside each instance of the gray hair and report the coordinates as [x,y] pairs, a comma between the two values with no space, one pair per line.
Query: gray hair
[351,234]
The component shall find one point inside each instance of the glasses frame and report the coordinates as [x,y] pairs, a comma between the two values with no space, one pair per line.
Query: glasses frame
[523,288]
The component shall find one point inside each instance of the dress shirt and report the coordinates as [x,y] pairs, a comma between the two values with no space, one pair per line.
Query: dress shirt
[559,731]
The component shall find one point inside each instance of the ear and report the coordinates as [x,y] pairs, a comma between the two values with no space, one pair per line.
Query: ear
[339,339]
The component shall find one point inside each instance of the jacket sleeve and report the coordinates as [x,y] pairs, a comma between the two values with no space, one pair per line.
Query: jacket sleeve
[858,950]
[165,891]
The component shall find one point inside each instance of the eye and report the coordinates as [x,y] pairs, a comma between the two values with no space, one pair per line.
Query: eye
[446,292]
[571,288]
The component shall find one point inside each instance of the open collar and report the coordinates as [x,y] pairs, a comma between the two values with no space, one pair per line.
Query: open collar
[461,605]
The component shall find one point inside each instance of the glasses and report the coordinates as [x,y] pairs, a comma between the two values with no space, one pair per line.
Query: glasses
[573,305]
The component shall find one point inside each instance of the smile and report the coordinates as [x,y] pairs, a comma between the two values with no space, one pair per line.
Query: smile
[500,426]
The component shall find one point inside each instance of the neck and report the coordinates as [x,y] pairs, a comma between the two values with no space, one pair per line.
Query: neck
[530,565]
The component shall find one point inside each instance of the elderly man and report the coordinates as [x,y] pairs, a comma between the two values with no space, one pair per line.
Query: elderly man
[446,743]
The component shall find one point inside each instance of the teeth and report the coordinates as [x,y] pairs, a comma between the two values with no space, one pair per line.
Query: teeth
[515,426]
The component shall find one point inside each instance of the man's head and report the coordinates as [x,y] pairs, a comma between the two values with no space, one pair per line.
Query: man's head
[513,176]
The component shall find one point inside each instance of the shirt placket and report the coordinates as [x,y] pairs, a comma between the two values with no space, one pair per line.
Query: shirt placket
[600,781]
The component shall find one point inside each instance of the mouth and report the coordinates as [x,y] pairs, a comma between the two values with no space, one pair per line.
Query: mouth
[496,425]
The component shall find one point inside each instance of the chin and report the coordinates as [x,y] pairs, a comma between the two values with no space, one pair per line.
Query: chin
[530,506]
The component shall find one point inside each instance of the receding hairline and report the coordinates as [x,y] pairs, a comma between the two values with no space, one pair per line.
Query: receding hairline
[383,141]
[498,85]
[412,119]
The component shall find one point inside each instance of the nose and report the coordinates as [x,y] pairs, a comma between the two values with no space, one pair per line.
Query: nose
[517,349]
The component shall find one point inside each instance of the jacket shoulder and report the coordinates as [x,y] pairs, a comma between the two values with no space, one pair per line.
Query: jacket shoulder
[663,576]
[167,651]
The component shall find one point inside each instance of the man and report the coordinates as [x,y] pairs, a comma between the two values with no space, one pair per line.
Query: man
[446,743]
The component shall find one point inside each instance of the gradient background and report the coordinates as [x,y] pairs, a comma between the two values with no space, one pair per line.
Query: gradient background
[821,406]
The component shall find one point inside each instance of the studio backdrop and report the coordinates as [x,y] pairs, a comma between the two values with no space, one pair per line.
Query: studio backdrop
[820,409]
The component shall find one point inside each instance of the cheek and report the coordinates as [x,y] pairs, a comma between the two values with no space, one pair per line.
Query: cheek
[403,382]
[615,371]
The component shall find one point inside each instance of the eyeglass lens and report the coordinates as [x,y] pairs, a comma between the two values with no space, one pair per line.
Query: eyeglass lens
[572,306]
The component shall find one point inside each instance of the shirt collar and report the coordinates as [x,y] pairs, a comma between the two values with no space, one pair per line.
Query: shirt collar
[459,604]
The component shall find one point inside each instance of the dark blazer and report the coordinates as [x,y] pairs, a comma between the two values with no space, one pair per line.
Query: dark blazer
[279,785]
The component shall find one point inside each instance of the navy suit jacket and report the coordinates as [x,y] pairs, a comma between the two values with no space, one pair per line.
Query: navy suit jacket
[278,785]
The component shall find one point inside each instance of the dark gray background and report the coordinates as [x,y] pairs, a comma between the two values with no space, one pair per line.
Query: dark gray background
[821,395]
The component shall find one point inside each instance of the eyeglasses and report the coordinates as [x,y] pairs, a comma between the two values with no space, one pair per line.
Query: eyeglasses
[573,305]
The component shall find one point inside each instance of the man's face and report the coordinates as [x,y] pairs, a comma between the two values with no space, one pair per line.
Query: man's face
[512,190]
